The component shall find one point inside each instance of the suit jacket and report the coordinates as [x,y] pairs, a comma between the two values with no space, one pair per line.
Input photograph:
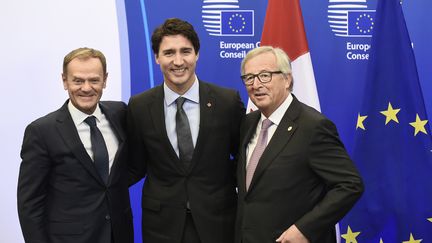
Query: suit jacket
[61,197]
[209,184]
[304,177]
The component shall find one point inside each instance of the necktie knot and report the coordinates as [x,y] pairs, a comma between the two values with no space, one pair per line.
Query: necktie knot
[266,123]
[91,121]
[180,101]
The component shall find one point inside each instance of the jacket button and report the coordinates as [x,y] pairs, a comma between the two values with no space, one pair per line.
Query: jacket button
[107,217]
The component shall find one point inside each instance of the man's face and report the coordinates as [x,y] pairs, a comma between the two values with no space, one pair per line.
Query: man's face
[84,82]
[177,60]
[268,96]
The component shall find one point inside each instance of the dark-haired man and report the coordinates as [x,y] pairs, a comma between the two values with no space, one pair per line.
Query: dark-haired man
[183,136]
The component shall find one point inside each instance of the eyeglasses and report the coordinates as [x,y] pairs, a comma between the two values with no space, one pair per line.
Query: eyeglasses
[263,77]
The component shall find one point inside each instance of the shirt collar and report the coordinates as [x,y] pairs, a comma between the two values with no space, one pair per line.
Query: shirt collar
[192,94]
[277,115]
[78,116]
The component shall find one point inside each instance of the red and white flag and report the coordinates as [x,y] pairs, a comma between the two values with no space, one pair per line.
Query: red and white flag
[284,28]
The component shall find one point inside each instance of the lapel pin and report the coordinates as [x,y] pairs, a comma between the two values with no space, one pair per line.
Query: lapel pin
[289,128]
[209,104]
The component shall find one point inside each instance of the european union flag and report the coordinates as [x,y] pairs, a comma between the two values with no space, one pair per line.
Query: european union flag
[393,146]
[237,22]
[361,22]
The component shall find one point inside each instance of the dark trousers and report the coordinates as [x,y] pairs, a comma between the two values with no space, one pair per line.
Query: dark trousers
[190,234]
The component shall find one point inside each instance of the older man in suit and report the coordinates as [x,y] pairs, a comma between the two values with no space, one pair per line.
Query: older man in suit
[295,178]
[73,181]
[183,136]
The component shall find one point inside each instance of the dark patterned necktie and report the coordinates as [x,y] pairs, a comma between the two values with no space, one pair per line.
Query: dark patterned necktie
[184,137]
[100,152]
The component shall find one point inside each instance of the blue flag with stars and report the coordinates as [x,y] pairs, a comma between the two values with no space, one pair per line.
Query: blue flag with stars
[237,22]
[393,145]
[361,22]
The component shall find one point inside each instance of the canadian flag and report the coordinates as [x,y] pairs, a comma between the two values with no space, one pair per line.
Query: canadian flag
[284,28]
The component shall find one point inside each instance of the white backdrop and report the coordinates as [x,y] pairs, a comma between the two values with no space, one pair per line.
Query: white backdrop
[34,38]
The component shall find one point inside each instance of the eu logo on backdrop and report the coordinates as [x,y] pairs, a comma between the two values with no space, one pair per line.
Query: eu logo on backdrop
[351,18]
[361,23]
[237,23]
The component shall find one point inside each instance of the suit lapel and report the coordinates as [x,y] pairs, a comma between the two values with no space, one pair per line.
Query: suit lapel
[156,108]
[207,103]
[114,122]
[68,131]
[280,138]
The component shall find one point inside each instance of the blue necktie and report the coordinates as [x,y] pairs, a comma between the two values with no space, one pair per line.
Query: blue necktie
[100,152]
[184,137]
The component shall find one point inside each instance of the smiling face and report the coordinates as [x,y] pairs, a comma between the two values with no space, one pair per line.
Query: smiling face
[84,81]
[177,60]
[269,96]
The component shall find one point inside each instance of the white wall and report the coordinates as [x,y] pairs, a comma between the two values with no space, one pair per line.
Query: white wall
[34,38]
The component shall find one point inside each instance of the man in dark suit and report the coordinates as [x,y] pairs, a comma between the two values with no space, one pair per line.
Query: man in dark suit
[73,180]
[295,179]
[183,135]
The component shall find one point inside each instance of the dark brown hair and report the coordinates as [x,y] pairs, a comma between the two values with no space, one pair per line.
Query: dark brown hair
[174,26]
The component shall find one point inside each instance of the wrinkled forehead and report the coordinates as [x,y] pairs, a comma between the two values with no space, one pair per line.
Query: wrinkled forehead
[261,62]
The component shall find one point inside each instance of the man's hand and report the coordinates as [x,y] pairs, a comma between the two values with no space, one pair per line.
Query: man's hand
[292,235]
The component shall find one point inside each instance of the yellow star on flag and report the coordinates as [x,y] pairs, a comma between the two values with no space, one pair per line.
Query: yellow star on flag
[350,237]
[390,114]
[412,240]
[430,219]
[360,120]
[381,241]
[419,125]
